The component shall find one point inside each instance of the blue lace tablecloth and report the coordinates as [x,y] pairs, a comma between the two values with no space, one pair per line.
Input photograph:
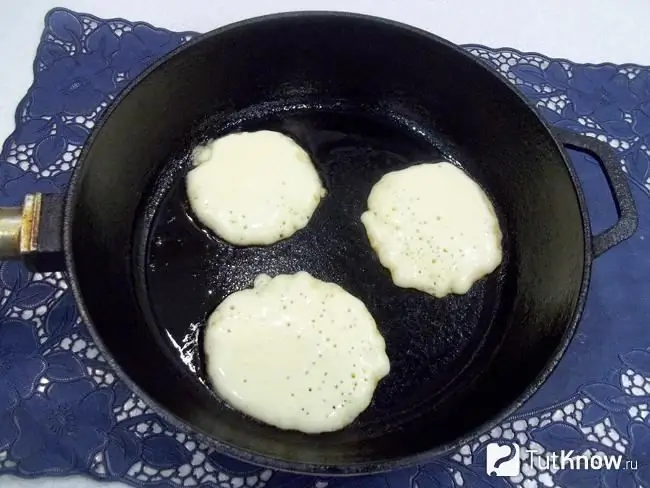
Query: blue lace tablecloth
[63,411]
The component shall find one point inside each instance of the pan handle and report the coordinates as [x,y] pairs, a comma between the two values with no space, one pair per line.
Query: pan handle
[33,232]
[628,217]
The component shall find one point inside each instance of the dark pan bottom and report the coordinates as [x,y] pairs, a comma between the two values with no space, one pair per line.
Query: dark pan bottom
[430,342]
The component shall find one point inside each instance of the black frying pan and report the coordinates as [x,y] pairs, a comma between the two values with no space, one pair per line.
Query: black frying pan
[363,96]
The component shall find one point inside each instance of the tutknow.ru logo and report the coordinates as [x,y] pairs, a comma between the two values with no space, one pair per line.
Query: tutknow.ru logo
[504,459]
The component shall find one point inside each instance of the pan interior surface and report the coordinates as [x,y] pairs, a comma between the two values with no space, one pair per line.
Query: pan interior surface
[189,271]
[363,97]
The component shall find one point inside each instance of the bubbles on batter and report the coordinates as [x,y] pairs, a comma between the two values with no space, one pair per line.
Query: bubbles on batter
[433,227]
[300,370]
[253,188]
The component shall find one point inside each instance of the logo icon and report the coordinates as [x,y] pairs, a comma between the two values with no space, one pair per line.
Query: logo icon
[502,460]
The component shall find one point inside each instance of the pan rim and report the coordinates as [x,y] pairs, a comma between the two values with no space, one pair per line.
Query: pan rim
[341,469]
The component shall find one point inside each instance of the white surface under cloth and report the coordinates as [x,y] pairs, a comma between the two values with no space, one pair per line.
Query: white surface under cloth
[579,30]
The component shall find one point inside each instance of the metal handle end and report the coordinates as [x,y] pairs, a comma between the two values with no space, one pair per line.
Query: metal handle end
[19,228]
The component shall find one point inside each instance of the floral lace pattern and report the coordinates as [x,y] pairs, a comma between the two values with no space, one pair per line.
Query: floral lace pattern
[63,410]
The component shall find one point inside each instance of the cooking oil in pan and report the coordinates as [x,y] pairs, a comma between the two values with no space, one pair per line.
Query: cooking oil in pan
[189,270]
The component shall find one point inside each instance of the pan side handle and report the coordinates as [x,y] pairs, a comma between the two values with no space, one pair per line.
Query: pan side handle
[628,217]
[33,232]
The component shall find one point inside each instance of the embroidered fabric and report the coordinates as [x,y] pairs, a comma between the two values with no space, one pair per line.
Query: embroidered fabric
[63,411]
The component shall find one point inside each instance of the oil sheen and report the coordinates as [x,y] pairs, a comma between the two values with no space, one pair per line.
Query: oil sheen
[189,271]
